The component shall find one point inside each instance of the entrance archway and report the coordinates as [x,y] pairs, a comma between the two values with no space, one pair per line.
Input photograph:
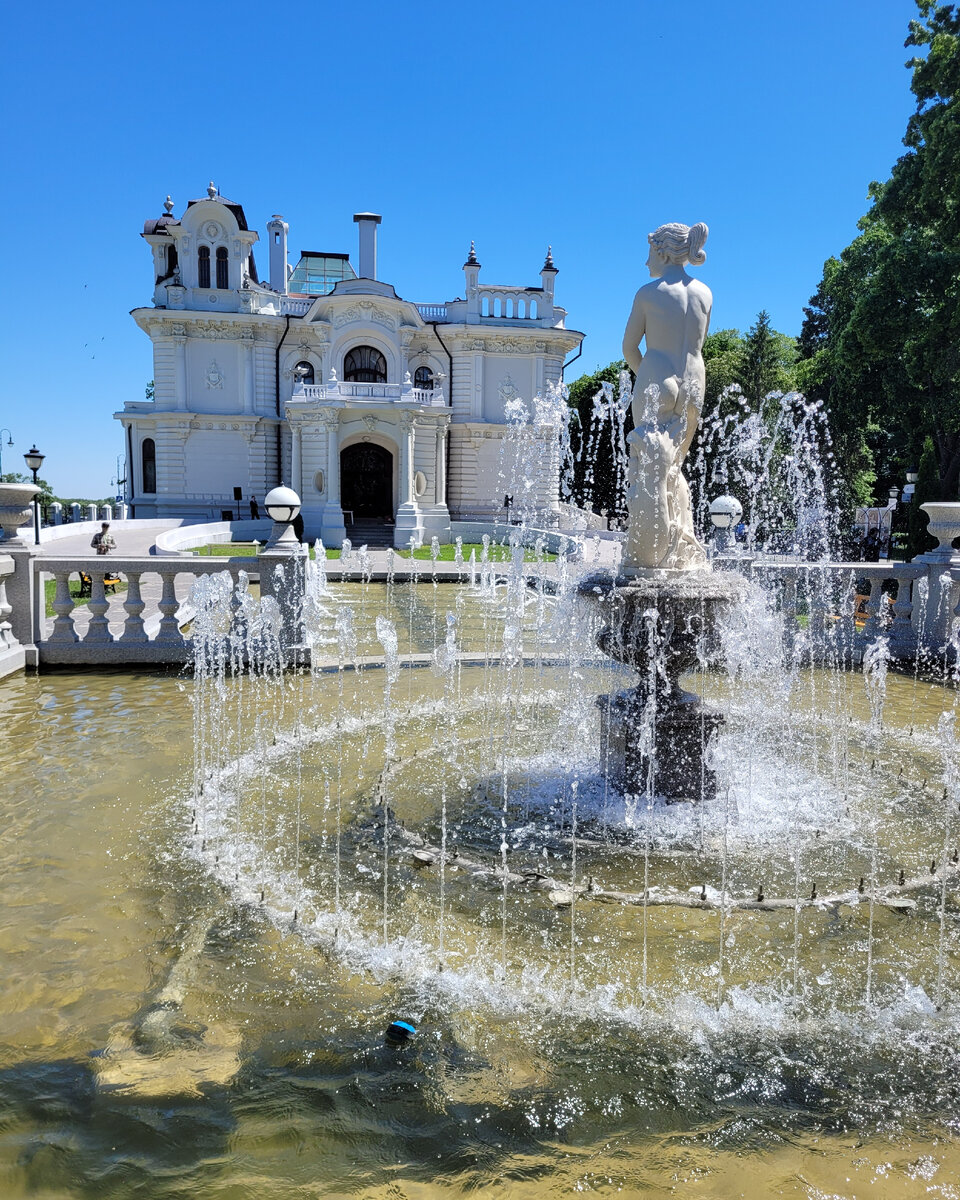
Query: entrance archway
[366,480]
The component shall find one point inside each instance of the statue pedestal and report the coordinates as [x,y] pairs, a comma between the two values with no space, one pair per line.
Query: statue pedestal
[682,729]
[661,623]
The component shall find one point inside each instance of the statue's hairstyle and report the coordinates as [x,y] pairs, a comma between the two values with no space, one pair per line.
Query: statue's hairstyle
[680,244]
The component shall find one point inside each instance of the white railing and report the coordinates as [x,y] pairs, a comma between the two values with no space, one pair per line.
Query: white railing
[393,393]
[150,582]
[432,312]
[295,306]
[821,603]
[512,303]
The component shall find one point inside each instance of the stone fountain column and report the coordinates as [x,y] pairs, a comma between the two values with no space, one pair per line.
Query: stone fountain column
[656,735]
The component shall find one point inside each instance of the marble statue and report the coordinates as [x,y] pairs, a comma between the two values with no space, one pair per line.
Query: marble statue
[672,313]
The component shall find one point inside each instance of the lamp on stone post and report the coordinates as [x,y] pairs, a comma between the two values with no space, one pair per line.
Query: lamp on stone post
[282,505]
[725,512]
[34,460]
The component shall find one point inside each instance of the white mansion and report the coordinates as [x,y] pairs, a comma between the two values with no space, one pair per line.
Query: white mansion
[371,407]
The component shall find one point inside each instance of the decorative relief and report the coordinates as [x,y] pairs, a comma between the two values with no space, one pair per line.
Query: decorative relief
[502,345]
[508,390]
[212,230]
[330,416]
[508,346]
[364,310]
[370,423]
[214,377]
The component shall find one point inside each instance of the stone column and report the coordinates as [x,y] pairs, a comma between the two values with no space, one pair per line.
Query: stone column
[332,529]
[407,425]
[296,458]
[408,514]
[440,487]
[247,374]
[180,371]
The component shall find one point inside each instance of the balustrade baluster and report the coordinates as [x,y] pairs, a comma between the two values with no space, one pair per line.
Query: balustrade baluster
[788,608]
[875,622]
[98,631]
[903,637]
[133,605]
[7,640]
[169,632]
[64,630]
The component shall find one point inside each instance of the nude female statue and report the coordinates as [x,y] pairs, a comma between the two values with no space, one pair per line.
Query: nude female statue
[673,314]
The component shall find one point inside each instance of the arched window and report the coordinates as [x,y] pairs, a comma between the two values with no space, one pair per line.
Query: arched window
[364,364]
[148,458]
[223,268]
[171,260]
[304,371]
[423,378]
[203,267]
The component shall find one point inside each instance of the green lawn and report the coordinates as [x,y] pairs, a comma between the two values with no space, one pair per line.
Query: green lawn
[496,553]
[242,550]
[50,591]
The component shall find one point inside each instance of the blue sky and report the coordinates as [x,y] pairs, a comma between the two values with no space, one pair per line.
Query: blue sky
[582,125]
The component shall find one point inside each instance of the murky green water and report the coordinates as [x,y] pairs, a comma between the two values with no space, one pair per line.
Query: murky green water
[162,1037]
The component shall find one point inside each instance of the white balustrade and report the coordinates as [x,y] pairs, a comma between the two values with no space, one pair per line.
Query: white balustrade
[109,630]
[511,303]
[432,312]
[295,306]
[392,393]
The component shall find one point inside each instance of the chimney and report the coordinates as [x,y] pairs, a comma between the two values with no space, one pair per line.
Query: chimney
[367,264]
[277,231]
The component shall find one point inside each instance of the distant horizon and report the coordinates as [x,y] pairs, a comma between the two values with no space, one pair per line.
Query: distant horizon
[771,133]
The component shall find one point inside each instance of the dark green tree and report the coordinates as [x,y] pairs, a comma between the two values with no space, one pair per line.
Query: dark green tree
[594,480]
[928,487]
[881,338]
[722,352]
[766,363]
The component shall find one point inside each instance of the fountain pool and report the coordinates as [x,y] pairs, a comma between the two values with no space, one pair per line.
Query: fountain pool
[203,947]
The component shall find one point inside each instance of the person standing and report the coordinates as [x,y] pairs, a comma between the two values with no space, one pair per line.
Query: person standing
[254,509]
[103,541]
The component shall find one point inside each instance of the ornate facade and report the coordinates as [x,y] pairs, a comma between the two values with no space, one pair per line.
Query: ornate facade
[373,408]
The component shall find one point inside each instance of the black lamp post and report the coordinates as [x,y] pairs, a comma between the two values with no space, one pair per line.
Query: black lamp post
[9,443]
[34,460]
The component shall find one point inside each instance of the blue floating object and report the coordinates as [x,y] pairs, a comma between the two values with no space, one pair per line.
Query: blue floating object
[399,1033]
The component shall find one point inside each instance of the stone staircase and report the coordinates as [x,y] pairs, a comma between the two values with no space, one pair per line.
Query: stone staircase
[373,532]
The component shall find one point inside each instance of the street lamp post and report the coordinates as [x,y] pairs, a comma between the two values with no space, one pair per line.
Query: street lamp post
[9,443]
[34,460]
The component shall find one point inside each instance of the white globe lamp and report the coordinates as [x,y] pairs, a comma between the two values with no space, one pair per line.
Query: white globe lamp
[282,505]
[725,513]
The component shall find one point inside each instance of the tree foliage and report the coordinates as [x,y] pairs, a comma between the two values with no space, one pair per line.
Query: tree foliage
[927,488]
[881,336]
[594,474]
[766,362]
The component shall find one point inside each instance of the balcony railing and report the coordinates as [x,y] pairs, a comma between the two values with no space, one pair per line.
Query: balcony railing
[295,306]
[391,393]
